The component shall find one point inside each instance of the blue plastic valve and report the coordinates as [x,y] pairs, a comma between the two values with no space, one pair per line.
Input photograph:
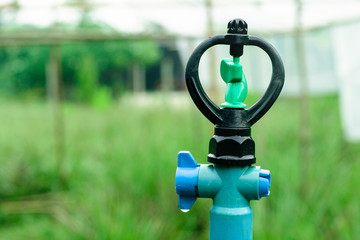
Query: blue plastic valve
[264,183]
[186,180]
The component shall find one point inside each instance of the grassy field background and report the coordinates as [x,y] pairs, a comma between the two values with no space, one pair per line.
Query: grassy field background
[117,178]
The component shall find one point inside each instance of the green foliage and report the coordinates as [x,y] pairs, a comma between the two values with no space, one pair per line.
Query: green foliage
[23,69]
[120,167]
[102,98]
[85,67]
[87,75]
[103,64]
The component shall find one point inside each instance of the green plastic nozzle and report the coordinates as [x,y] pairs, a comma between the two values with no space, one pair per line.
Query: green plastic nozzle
[236,87]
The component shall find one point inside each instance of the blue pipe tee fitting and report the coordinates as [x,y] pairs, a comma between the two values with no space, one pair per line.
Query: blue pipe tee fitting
[230,187]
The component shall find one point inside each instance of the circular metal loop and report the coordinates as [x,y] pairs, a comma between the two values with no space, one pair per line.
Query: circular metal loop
[210,110]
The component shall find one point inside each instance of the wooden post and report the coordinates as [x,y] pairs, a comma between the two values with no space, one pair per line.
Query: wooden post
[304,99]
[139,78]
[53,76]
[211,52]
[167,75]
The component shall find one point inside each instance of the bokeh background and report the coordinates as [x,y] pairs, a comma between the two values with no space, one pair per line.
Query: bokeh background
[94,108]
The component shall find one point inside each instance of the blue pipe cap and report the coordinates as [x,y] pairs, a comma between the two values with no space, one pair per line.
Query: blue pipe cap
[264,183]
[186,180]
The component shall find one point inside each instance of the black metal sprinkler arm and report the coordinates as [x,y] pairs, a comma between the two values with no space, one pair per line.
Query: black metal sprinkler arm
[232,143]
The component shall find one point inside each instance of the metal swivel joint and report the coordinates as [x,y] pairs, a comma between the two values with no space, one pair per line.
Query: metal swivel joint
[230,180]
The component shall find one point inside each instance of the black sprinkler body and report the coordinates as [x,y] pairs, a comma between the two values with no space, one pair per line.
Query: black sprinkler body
[232,143]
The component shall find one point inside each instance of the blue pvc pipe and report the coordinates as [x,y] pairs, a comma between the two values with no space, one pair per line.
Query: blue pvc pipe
[231,188]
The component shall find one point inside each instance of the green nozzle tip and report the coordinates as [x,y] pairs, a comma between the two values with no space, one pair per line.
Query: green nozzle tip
[231,71]
[236,87]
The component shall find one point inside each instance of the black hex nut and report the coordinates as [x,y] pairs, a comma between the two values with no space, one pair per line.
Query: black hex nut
[237,150]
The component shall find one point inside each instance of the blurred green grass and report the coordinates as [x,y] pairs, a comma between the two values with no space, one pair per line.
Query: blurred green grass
[120,164]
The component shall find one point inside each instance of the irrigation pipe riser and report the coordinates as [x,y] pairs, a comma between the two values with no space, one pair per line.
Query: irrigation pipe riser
[230,180]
